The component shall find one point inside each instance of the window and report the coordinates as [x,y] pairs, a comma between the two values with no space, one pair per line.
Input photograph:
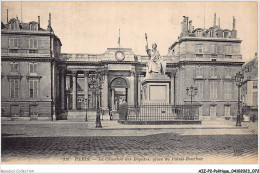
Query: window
[213,111]
[199,33]
[199,85]
[220,49]
[14,67]
[14,88]
[227,110]
[227,90]
[33,68]
[213,72]
[13,42]
[33,51]
[199,71]
[227,72]
[255,98]
[33,43]
[13,51]
[34,27]
[200,111]
[228,56]
[228,49]
[200,49]
[33,87]
[13,26]
[199,55]
[254,84]
[212,49]
[213,90]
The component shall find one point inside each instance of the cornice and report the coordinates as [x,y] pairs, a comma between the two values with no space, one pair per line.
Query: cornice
[21,32]
[36,59]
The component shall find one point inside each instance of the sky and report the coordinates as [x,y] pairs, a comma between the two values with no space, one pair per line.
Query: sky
[92,27]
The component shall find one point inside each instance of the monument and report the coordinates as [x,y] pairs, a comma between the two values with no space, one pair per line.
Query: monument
[156,85]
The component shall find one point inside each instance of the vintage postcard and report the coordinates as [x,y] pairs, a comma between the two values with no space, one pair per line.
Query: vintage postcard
[129,82]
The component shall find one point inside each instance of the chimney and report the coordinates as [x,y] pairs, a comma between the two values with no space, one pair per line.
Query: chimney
[214,20]
[190,25]
[187,23]
[7,15]
[16,17]
[234,23]
[49,19]
[39,22]
[219,22]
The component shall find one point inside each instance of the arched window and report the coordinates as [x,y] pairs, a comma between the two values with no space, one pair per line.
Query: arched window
[13,26]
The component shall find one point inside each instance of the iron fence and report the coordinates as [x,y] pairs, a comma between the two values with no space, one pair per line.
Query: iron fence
[162,112]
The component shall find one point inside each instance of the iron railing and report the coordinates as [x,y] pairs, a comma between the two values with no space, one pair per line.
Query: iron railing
[162,112]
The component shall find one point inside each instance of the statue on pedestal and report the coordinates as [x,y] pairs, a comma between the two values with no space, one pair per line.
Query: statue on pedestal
[155,64]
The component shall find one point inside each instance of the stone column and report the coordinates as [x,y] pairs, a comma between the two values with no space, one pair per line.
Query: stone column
[139,89]
[172,88]
[132,89]
[62,89]
[86,73]
[74,90]
[53,92]
[112,100]
[105,92]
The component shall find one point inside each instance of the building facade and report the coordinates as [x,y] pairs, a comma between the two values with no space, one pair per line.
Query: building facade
[209,60]
[249,88]
[29,57]
[40,81]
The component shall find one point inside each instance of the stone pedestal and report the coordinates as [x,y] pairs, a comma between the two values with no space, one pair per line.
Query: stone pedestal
[156,89]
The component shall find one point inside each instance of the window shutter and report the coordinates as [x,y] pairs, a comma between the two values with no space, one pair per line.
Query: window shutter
[35,43]
[35,68]
[16,67]
[31,68]
[11,88]
[35,89]
[31,88]
[16,88]
[31,43]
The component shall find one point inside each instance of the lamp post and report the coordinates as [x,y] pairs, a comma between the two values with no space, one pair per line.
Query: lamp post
[191,91]
[86,107]
[95,85]
[238,78]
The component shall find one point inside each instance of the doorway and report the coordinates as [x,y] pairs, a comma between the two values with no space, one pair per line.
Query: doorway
[118,91]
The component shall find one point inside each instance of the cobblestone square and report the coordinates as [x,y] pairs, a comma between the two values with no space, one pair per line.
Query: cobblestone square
[83,144]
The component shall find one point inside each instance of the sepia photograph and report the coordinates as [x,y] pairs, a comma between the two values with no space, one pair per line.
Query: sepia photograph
[145,82]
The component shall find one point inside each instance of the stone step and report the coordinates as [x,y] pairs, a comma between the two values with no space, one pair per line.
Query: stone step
[81,116]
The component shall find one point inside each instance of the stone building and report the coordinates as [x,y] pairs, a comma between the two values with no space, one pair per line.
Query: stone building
[209,60]
[249,88]
[29,70]
[39,81]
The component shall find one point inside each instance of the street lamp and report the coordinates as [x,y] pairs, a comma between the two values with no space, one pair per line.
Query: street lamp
[191,91]
[238,78]
[95,85]
[86,106]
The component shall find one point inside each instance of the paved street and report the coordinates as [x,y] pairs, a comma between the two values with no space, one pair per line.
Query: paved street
[82,143]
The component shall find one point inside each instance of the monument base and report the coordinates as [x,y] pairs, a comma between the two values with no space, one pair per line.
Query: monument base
[156,89]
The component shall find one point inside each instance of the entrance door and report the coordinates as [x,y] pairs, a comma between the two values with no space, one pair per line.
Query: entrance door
[213,111]
[120,93]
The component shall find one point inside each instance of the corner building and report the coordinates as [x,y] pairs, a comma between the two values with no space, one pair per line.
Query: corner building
[40,82]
